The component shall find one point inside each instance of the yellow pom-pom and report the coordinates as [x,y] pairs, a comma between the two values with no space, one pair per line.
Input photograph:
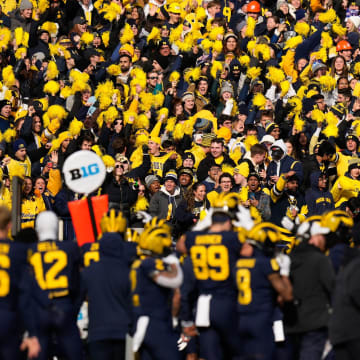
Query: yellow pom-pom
[163,113]
[216,66]
[356,91]
[264,50]
[51,27]
[299,123]
[253,72]
[206,45]
[5,38]
[8,76]
[174,76]
[356,69]
[250,27]
[43,5]
[141,122]
[338,29]
[127,35]
[259,101]
[192,74]
[52,71]
[302,28]
[321,55]
[87,38]
[51,87]
[113,70]
[170,124]
[251,46]
[331,131]
[293,42]
[326,40]
[327,83]
[296,104]
[75,127]
[18,34]
[216,32]
[328,16]
[111,114]
[141,204]
[20,53]
[250,141]
[158,100]
[65,92]
[318,115]
[244,60]
[275,75]
[103,93]
[284,86]
[9,135]
[56,112]
[108,160]
[105,37]
[217,46]
[154,35]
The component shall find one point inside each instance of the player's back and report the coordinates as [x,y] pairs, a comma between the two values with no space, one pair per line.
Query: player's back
[255,290]
[108,288]
[213,256]
[12,268]
[149,298]
[56,267]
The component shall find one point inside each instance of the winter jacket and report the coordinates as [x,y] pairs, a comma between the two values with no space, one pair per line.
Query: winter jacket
[163,205]
[318,201]
[312,297]
[205,164]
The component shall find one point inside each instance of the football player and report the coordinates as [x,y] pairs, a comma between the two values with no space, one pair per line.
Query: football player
[106,284]
[15,289]
[56,269]
[214,252]
[259,280]
[153,278]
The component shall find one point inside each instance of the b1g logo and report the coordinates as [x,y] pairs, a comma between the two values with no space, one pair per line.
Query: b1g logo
[84,171]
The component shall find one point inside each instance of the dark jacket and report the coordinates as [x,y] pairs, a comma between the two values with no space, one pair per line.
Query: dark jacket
[106,284]
[313,278]
[287,163]
[121,193]
[184,218]
[318,201]
[205,164]
[345,321]
[160,204]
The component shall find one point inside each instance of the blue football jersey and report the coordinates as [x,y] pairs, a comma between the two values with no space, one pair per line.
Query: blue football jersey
[255,292]
[149,298]
[56,267]
[213,256]
[13,261]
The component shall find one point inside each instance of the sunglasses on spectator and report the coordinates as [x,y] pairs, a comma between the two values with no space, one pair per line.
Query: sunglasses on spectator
[153,77]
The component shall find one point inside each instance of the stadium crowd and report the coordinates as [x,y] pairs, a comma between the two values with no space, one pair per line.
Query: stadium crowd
[230,131]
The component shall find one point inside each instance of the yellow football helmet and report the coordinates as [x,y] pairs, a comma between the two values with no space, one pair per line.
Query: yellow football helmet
[156,237]
[113,221]
[265,236]
[337,218]
[340,224]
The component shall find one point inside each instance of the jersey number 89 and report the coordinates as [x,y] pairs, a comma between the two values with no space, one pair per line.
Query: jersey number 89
[205,259]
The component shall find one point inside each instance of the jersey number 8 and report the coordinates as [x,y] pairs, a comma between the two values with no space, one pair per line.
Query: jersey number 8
[205,259]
